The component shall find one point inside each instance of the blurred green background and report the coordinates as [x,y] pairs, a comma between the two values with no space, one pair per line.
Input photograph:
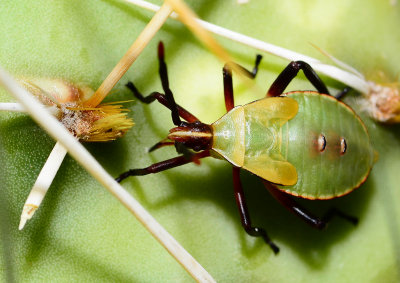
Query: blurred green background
[81,233]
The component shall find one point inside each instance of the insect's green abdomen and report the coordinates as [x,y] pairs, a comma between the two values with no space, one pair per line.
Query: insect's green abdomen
[329,146]
[313,145]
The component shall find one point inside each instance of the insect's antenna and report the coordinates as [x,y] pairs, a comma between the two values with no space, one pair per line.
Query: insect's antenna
[165,84]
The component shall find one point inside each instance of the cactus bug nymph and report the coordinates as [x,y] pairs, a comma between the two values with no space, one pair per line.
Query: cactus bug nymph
[295,142]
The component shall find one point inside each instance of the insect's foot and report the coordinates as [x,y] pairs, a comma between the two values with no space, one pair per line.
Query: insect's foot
[153,148]
[353,220]
[130,85]
[134,90]
[258,59]
[119,179]
[123,176]
[341,94]
[259,232]
[320,224]
[274,247]
[335,212]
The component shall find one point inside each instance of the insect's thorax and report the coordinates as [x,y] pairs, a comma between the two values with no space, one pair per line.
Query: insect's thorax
[250,137]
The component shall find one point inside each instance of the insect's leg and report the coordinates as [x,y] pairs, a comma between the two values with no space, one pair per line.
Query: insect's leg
[228,86]
[335,212]
[244,213]
[253,73]
[288,202]
[165,84]
[163,100]
[288,74]
[293,206]
[161,166]
[341,94]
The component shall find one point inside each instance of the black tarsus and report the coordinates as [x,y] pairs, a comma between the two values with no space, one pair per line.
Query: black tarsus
[341,94]
[335,212]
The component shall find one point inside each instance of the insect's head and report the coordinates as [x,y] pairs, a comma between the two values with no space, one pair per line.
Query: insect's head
[196,136]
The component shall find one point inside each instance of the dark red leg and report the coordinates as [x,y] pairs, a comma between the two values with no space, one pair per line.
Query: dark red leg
[237,184]
[288,202]
[228,88]
[228,85]
[163,100]
[161,166]
[244,213]
[165,84]
[167,99]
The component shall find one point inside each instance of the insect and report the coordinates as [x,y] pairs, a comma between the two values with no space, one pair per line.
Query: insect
[300,143]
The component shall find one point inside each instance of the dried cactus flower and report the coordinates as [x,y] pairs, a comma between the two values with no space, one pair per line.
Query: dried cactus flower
[106,122]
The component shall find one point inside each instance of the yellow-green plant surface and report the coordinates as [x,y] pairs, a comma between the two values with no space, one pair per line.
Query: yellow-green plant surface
[82,234]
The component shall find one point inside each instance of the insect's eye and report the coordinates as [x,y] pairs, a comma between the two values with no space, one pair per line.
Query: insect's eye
[343,146]
[321,143]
